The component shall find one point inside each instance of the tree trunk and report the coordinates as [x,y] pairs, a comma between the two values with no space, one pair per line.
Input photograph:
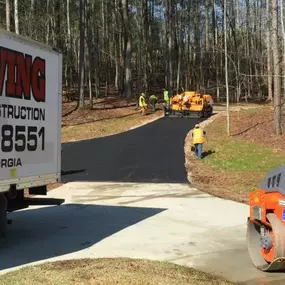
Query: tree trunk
[207,25]
[69,44]
[47,24]
[215,51]
[16,17]
[128,50]
[283,36]
[8,26]
[178,69]
[179,43]
[269,52]
[89,42]
[170,45]
[276,63]
[139,82]
[226,66]
[81,54]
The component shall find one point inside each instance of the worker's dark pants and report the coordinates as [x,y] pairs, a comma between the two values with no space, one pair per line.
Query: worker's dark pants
[198,149]
[166,106]
[152,104]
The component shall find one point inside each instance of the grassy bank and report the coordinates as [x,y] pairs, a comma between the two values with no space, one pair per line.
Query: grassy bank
[109,271]
[236,164]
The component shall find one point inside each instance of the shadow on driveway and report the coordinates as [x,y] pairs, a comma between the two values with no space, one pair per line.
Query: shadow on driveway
[153,153]
[38,234]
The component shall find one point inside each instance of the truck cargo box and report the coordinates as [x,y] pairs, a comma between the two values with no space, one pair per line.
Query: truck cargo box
[30,113]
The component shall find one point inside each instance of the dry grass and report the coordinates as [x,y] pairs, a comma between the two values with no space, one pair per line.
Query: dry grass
[105,127]
[110,271]
[106,118]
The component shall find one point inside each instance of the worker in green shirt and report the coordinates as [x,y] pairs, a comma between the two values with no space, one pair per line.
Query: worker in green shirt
[152,102]
[166,101]
[165,95]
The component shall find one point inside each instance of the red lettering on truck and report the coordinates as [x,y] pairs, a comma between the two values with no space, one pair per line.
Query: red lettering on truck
[24,75]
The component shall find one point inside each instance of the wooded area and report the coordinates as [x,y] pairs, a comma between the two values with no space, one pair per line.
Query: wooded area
[145,45]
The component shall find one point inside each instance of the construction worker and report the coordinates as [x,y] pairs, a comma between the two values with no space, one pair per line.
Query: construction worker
[198,139]
[166,101]
[152,102]
[142,103]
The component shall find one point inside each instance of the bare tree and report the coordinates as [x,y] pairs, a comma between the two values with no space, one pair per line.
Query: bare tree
[283,36]
[170,43]
[8,15]
[226,66]
[16,16]
[89,48]
[276,62]
[47,35]
[128,49]
[269,51]
[81,55]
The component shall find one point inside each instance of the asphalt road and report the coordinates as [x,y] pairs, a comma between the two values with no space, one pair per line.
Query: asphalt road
[153,153]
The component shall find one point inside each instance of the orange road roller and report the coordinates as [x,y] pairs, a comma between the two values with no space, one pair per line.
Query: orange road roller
[266,223]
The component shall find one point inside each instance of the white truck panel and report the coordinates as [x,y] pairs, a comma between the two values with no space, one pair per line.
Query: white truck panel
[30,112]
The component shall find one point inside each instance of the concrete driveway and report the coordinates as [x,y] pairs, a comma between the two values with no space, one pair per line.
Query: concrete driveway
[134,201]
[171,222]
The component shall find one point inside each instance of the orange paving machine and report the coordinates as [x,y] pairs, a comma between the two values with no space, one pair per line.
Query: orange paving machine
[266,223]
[191,103]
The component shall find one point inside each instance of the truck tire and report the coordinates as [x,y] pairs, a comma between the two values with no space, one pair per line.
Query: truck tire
[3,215]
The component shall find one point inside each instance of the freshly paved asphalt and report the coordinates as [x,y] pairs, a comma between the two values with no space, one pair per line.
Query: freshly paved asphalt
[153,153]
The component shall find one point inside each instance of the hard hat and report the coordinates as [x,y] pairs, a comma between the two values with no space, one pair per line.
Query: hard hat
[197,126]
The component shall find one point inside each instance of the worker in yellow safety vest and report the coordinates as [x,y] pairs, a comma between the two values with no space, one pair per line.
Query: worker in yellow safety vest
[198,139]
[142,103]
[166,103]
[165,95]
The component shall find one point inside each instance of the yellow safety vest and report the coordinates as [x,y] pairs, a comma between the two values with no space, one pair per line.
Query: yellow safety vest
[198,136]
[141,101]
[165,96]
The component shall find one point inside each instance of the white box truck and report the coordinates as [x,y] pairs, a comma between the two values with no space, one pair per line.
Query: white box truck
[30,120]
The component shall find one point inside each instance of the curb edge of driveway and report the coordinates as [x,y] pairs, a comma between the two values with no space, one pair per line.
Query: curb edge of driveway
[146,122]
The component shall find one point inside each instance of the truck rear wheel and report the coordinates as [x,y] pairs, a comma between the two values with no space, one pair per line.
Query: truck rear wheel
[3,215]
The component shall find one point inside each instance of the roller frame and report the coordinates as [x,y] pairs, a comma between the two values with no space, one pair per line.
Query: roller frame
[274,186]
[253,244]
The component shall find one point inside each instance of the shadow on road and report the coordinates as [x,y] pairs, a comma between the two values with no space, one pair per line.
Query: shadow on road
[38,234]
[153,153]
